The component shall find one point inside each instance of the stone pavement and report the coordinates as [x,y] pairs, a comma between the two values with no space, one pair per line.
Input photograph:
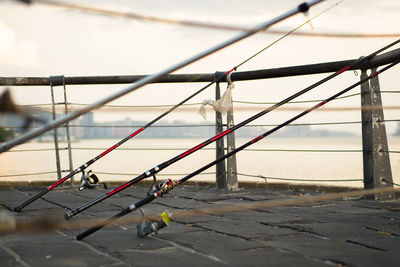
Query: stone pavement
[338,233]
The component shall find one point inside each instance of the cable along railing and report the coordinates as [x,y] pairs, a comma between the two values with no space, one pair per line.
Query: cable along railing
[375,150]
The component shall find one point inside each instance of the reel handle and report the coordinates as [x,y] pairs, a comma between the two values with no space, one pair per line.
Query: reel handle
[89,181]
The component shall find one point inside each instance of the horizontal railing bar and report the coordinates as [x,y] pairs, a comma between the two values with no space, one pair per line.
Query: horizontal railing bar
[295,179]
[140,148]
[27,174]
[318,68]
[198,104]
[160,174]
[208,125]
[208,149]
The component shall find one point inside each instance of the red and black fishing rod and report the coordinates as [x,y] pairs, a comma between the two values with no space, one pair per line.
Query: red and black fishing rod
[90,162]
[158,168]
[165,186]
[302,8]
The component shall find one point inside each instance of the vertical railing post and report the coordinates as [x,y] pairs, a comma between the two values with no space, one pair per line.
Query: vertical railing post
[376,161]
[71,167]
[220,167]
[382,169]
[55,133]
[366,131]
[232,181]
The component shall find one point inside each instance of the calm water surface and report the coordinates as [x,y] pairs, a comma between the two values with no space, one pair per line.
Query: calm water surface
[123,164]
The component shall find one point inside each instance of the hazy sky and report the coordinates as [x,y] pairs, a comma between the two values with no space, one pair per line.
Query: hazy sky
[40,40]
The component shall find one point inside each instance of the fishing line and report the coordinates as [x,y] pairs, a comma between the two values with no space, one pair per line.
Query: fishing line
[203,190]
[198,24]
[290,32]
[243,108]
[302,8]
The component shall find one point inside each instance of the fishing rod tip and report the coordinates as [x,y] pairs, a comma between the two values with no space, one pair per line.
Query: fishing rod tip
[28,2]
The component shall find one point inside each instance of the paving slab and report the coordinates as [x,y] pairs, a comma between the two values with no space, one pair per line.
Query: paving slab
[170,256]
[248,229]
[344,253]
[352,232]
[7,257]
[56,249]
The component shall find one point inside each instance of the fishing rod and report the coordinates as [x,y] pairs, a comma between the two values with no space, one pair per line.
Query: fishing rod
[152,172]
[302,8]
[88,180]
[167,185]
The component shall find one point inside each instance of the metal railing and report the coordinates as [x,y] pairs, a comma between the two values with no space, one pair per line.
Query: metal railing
[375,150]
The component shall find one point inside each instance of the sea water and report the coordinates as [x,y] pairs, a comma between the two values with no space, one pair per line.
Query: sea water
[330,159]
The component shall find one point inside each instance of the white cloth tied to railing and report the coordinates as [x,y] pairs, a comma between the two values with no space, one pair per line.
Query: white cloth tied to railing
[221,105]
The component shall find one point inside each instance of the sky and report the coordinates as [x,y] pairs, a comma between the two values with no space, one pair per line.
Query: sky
[40,40]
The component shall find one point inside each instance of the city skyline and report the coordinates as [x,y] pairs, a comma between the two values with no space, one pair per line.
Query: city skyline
[110,45]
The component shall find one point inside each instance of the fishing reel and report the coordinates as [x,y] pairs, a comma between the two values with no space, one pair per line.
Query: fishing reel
[89,181]
[147,227]
[162,188]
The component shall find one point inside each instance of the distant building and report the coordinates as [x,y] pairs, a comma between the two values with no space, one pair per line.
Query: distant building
[397,132]
[87,128]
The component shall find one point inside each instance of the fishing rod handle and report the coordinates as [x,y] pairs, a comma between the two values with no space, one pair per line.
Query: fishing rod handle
[125,211]
[51,187]
[32,199]
[90,231]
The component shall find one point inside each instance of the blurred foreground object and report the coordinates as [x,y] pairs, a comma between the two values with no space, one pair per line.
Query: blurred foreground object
[8,106]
